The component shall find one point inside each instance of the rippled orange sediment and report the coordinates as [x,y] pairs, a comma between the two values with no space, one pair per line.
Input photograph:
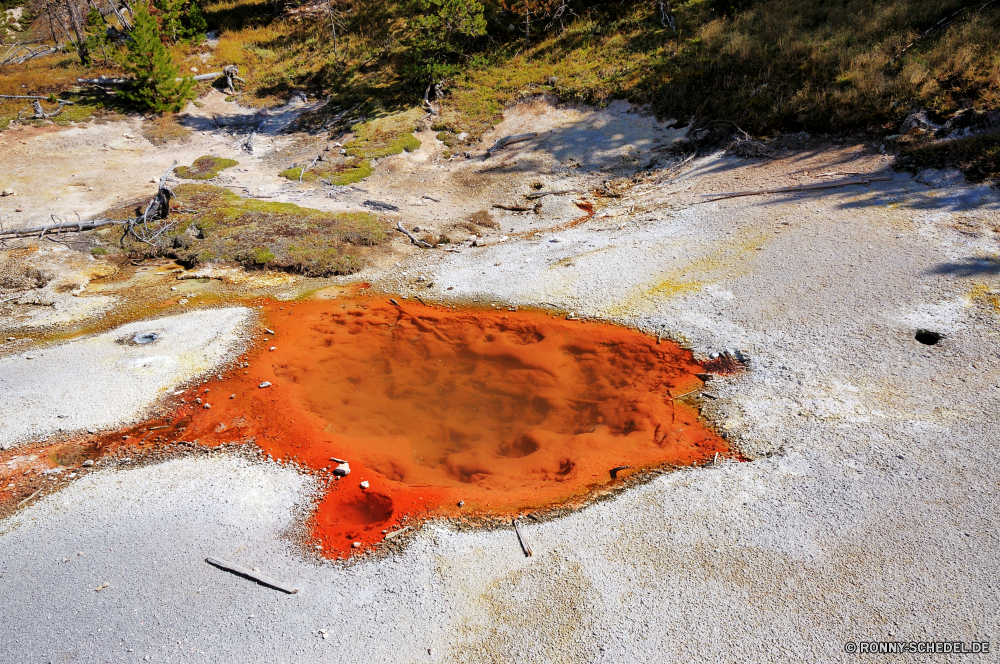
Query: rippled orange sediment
[506,411]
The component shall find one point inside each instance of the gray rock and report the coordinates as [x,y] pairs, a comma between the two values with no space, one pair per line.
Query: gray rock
[264,384]
[342,470]
[919,122]
[935,178]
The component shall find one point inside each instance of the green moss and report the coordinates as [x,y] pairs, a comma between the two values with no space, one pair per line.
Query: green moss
[205,168]
[261,256]
[352,174]
[296,174]
[267,234]
[99,251]
[385,136]
[340,175]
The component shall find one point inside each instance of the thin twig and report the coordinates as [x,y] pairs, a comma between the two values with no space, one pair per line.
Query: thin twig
[802,187]
[413,239]
[249,573]
[522,539]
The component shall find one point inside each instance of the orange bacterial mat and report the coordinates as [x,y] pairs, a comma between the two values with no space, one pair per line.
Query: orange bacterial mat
[506,411]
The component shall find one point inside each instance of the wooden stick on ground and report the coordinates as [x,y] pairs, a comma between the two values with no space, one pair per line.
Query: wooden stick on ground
[37,491]
[501,143]
[395,533]
[522,539]
[540,194]
[62,101]
[801,187]
[250,574]
[413,239]
[614,471]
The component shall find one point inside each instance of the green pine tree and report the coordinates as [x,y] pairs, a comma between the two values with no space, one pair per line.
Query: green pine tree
[194,20]
[168,14]
[149,62]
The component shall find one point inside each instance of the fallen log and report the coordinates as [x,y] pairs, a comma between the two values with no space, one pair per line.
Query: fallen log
[413,239]
[41,114]
[541,194]
[37,97]
[796,188]
[103,80]
[501,143]
[522,539]
[250,574]
[75,226]
[14,55]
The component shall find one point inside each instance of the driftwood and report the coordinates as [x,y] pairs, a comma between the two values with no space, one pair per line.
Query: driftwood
[501,143]
[56,227]
[20,53]
[427,102]
[522,539]
[37,491]
[144,228]
[614,471]
[39,97]
[231,72]
[517,208]
[801,187]
[104,80]
[413,239]
[40,113]
[541,194]
[250,574]
[395,533]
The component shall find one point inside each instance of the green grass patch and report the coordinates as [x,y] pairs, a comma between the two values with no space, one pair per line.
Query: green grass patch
[264,234]
[385,136]
[348,172]
[205,168]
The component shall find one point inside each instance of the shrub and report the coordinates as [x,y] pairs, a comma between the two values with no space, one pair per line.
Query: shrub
[156,87]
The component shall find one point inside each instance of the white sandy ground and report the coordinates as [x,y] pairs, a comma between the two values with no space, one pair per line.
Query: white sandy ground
[868,511]
[104,382]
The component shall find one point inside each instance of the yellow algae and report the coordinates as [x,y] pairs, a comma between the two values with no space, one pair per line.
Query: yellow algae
[983,294]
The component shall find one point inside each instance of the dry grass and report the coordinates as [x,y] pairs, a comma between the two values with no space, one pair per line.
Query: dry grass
[163,129]
[52,75]
[782,64]
[978,157]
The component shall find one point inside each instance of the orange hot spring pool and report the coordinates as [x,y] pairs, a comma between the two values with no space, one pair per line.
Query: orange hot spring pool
[503,411]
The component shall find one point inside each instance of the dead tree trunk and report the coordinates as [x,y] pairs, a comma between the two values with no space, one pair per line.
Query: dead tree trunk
[52,27]
[76,23]
[333,31]
[527,27]
[667,18]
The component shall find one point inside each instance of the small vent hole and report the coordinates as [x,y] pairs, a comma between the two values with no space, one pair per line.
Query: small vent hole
[927,337]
